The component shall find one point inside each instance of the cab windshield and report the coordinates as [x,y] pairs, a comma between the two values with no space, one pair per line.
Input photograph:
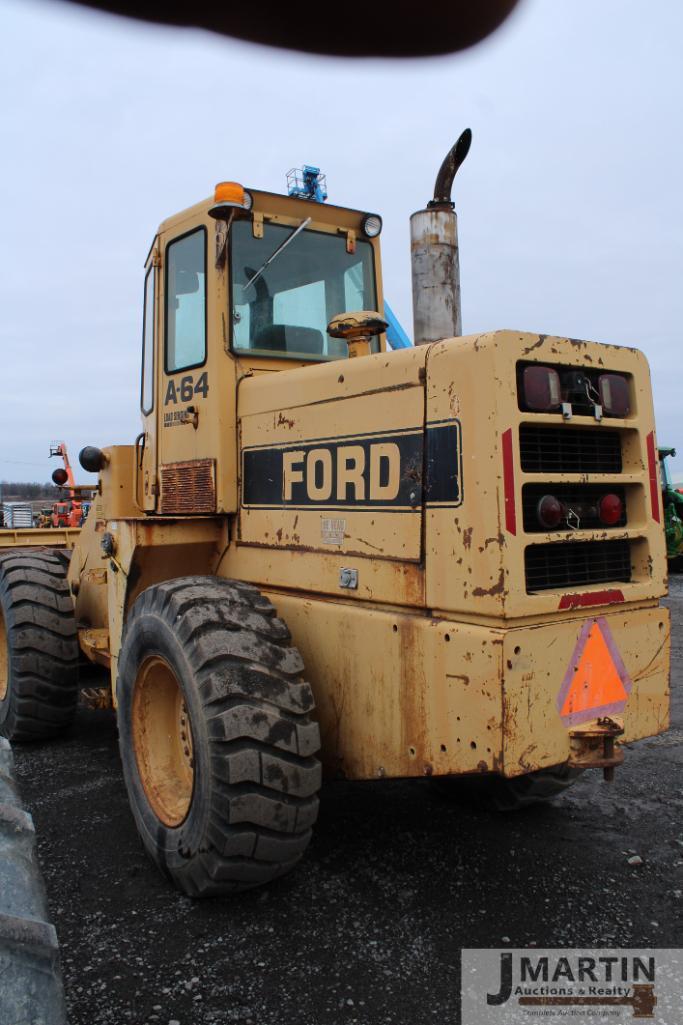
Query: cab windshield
[286,310]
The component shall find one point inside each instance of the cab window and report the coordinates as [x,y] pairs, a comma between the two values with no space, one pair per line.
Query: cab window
[283,307]
[186,301]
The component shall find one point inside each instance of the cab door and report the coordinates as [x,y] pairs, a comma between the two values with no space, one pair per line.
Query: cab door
[187,410]
[146,442]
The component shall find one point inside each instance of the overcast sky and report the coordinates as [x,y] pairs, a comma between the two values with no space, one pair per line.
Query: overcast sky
[570,203]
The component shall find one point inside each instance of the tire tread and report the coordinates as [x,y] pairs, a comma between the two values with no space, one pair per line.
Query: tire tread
[43,642]
[264,774]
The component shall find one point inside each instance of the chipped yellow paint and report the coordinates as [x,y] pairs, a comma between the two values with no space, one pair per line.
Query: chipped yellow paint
[398,694]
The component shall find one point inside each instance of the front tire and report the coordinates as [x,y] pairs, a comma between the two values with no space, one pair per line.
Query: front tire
[38,646]
[216,736]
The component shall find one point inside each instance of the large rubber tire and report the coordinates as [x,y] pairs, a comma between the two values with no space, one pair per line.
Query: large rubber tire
[217,740]
[30,977]
[38,646]
[497,793]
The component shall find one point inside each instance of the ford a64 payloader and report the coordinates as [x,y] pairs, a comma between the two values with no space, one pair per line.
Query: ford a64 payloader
[443,561]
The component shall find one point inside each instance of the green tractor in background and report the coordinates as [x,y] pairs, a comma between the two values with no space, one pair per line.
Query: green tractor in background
[672,501]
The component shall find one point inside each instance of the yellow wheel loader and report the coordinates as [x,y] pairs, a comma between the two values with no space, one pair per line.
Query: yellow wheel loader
[442,561]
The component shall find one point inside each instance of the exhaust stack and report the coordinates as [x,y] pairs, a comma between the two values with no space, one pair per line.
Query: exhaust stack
[435,258]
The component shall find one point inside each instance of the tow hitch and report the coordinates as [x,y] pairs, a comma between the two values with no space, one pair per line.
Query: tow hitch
[592,746]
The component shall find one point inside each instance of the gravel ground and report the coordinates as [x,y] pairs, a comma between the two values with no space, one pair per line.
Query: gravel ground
[369,928]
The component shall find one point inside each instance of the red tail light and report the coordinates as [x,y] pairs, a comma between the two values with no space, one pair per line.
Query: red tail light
[610,510]
[549,512]
[614,394]
[542,392]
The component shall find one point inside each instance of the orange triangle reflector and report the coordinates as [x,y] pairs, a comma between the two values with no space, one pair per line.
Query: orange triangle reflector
[596,682]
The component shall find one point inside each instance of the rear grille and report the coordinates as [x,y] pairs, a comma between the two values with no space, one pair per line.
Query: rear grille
[576,564]
[545,449]
[188,488]
[581,501]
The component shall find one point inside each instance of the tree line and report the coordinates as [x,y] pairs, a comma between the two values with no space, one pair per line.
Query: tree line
[30,492]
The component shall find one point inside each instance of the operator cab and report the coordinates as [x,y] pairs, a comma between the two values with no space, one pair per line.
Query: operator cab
[241,285]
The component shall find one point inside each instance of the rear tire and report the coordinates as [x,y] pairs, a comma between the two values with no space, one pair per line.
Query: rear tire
[38,646]
[216,735]
[497,793]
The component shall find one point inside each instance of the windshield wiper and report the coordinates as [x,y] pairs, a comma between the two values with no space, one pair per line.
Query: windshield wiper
[283,245]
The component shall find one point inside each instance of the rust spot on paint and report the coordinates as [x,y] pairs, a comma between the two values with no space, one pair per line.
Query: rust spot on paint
[283,421]
[497,588]
[536,345]
[490,541]
[467,537]
[361,541]
[525,758]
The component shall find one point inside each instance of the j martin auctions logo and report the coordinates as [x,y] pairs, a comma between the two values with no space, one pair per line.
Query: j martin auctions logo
[579,981]
[577,986]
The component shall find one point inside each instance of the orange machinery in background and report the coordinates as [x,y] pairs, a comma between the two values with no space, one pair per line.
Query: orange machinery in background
[67,512]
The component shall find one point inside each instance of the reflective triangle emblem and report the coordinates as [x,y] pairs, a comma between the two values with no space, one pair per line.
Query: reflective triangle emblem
[596,682]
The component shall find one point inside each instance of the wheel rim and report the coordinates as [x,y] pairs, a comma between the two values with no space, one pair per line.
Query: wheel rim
[162,741]
[4,659]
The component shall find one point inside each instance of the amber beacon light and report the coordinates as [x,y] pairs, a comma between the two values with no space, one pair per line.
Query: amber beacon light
[229,196]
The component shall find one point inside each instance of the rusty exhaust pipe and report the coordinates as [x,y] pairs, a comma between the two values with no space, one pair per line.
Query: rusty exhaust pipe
[435,258]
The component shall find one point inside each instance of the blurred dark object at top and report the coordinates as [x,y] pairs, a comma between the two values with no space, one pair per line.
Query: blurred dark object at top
[381,28]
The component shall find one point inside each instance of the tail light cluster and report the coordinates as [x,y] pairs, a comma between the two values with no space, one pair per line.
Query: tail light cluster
[544,389]
[565,506]
[562,459]
[552,512]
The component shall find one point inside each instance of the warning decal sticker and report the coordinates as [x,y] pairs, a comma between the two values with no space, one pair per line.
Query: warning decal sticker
[596,682]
